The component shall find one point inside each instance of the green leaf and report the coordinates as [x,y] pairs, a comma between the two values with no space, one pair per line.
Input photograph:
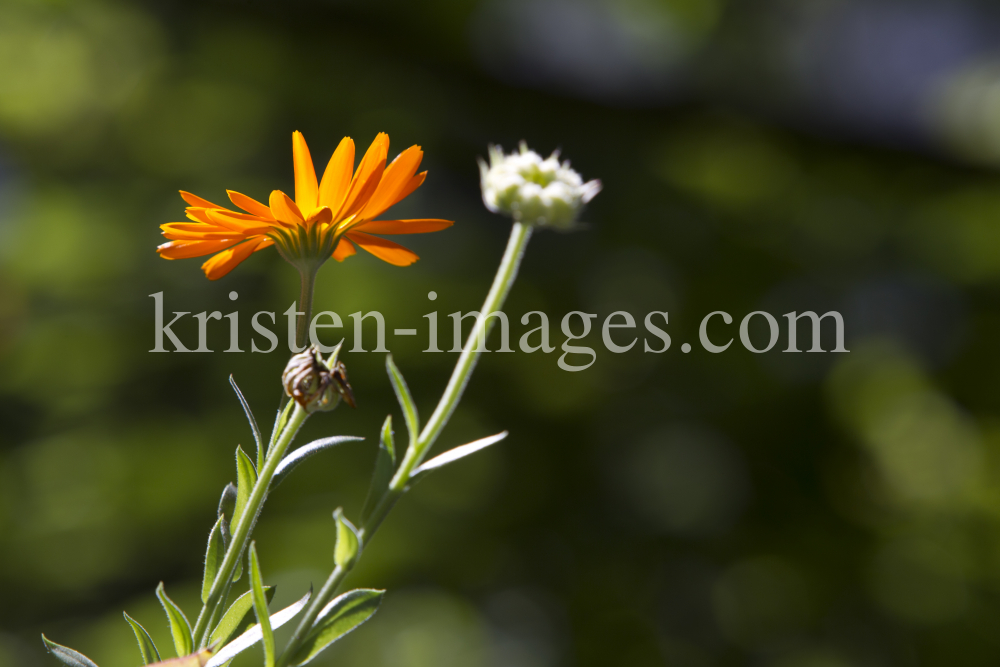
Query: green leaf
[246,477]
[146,646]
[346,552]
[236,616]
[254,634]
[179,626]
[385,462]
[227,507]
[67,656]
[227,502]
[260,607]
[405,400]
[344,614]
[453,455]
[214,554]
[253,422]
[302,453]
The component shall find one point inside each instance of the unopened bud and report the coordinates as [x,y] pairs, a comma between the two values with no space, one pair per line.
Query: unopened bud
[533,190]
[315,387]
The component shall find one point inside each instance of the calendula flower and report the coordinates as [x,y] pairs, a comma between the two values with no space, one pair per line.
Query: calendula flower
[534,190]
[327,218]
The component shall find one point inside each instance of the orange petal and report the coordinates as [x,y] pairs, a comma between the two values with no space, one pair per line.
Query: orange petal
[265,242]
[344,250]
[227,260]
[197,214]
[305,174]
[420,226]
[196,231]
[396,178]
[384,249]
[366,178]
[408,189]
[188,249]
[284,209]
[337,177]
[239,222]
[195,200]
[250,205]
[322,215]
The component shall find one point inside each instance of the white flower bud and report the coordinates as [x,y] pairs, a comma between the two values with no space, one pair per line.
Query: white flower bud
[533,190]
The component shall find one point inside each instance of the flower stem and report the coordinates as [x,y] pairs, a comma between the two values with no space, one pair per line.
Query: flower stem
[506,274]
[245,523]
[308,275]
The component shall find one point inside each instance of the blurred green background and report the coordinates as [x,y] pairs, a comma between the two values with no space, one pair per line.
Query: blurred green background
[785,510]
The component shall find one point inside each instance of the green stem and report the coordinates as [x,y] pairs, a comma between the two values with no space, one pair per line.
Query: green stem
[244,525]
[308,275]
[506,274]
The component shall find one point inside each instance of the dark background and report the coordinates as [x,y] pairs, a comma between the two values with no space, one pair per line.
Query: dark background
[786,510]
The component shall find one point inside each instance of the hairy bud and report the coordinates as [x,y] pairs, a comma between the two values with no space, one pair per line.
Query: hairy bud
[315,386]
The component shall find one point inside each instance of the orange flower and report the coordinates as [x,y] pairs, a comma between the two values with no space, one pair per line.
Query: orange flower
[326,218]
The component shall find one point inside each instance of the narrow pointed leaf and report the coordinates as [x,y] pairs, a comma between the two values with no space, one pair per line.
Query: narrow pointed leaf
[67,656]
[227,507]
[348,545]
[246,477]
[253,422]
[254,634]
[227,502]
[214,554]
[180,629]
[260,607]
[302,453]
[455,454]
[237,614]
[342,615]
[385,462]
[405,400]
[146,646]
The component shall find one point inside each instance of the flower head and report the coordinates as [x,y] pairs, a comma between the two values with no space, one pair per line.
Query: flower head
[533,190]
[327,218]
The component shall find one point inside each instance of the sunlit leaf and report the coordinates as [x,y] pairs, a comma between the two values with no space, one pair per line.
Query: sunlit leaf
[246,477]
[146,646]
[342,615]
[455,454]
[254,634]
[235,616]
[385,462]
[405,400]
[227,507]
[180,629]
[227,502]
[302,453]
[67,656]
[348,545]
[260,606]
[214,554]
[253,422]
